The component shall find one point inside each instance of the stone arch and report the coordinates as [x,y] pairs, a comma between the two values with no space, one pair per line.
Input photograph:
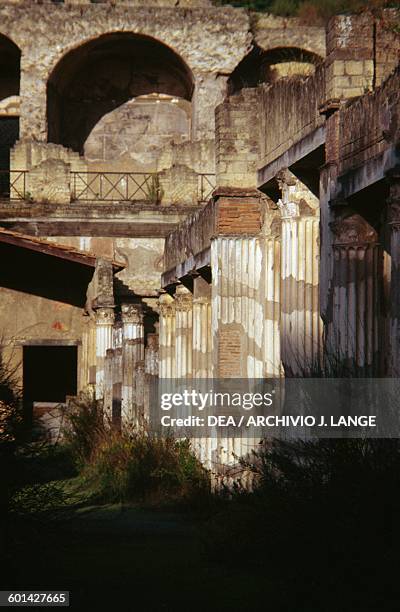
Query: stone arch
[10,60]
[266,66]
[98,76]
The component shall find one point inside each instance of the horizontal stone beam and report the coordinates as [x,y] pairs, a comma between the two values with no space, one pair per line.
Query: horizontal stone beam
[294,154]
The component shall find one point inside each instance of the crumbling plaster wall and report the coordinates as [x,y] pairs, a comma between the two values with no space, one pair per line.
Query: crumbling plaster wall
[26,317]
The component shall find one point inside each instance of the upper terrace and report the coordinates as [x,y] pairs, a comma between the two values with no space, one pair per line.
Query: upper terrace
[362,51]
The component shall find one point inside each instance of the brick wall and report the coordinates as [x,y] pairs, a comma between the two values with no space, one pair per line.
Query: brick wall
[238,216]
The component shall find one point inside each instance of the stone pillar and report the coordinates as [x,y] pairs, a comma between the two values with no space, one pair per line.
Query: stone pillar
[139,397]
[104,334]
[117,387]
[202,336]
[88,355]
[184,332]
[270,292]
[166,305]
[394,324]
[300,315]
[151,355]
[108,384]
[129,354]
[353,336]
[84,357]
[132,325]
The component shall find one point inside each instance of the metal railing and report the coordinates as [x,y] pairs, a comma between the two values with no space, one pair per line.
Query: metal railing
[13,184]
[113,186]
[104,186]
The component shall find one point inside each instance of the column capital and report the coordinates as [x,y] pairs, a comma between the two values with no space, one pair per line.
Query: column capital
[104,315]
[183,298]
[166,304]
[132,313]
[352,229]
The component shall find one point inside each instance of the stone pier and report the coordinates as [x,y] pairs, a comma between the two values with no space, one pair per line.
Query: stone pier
[167,336]
[184,331]
[300,316]
[354,335]
[202,337]
[104,336]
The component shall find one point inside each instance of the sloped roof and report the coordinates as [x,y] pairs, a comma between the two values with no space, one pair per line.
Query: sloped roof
[54,249]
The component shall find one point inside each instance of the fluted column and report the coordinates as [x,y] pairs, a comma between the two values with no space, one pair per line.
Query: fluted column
[202,336]
[84,356]
[394,324]
[104,335]
[270,292]
[353,337]
[184,333]
[108,384]
[166,304]
[151,355]
[129,351]
[300,255]
[132,326]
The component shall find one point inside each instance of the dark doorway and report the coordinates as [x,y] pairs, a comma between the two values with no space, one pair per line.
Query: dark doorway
[50,373]
[9,134]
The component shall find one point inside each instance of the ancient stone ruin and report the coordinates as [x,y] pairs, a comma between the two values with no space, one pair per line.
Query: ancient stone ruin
[192,191]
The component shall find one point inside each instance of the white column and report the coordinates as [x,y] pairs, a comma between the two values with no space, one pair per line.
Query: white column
[132,325]
[104,335]
[202,336]
[353,336]
[184,322]
[166,304]
[301,328]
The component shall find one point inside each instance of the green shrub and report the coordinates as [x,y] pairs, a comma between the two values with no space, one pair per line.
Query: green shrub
[132,466]
[85,427]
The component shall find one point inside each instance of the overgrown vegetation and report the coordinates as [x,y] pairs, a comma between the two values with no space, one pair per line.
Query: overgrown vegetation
[130,465]
[309,10]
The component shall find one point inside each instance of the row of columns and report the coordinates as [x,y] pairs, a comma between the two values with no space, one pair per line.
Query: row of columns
[185,332]
[115,362]
[260,315]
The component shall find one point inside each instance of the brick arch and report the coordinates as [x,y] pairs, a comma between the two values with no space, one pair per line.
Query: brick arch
[100,75]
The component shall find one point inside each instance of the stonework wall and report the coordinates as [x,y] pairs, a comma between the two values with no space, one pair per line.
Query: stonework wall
[368,127]
[237,140]
[211,41]
[132,136]
[273,32]
[362,50]
[289,110]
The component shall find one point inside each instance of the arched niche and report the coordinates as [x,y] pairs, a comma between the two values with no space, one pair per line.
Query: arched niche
[101,75]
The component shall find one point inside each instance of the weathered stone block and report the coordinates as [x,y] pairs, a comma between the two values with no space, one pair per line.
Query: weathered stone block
[354,67]
[50,182]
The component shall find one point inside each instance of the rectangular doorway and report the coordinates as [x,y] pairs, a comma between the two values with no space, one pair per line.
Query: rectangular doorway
[9,134]
[50,373]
